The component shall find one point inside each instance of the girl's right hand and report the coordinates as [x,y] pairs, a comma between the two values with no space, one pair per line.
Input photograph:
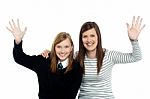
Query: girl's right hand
[16,31]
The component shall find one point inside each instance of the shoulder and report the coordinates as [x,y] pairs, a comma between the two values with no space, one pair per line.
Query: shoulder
[76,65]
[42,59]
[108,52]
[75,62]
[76,54]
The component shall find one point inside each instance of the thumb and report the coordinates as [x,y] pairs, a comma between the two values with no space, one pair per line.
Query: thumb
[128,26]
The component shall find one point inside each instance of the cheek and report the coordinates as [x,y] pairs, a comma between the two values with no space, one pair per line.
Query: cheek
[57,50]
[83,40]
[96,40]
[69,50]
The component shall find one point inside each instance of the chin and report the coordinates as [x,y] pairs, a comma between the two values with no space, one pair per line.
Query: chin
[62,59]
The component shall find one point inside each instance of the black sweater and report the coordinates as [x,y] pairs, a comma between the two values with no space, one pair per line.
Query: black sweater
[51,86]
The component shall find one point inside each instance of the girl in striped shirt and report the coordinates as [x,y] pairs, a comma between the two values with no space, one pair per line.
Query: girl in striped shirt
[97,62]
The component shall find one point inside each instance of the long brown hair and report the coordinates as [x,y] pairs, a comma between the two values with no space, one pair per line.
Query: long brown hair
[82,50]
[54,59]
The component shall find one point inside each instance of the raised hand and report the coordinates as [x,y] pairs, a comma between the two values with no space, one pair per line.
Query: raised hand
[135,29]
[16,31]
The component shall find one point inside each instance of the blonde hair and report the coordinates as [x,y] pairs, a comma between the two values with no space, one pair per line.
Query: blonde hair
[54,59]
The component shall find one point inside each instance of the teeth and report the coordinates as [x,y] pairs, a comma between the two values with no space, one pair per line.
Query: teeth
[62,55]
[89,44]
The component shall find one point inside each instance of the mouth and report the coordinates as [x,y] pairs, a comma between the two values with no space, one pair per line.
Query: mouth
[89,44]
[62,55]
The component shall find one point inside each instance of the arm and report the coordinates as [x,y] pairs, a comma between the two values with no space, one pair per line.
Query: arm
[119,57]
[133,32]
[19,56]
[31,62]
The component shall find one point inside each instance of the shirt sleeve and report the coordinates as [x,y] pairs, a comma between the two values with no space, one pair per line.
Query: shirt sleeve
[31,62]
[119,57]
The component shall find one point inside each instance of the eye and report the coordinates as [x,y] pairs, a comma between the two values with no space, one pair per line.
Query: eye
[92,35]
[58,46]
[84,36]
[67,46]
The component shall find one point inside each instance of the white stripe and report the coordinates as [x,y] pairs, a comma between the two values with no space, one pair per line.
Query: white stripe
[99,86]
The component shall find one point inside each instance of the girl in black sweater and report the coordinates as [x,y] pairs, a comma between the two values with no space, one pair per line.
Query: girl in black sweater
[55,81]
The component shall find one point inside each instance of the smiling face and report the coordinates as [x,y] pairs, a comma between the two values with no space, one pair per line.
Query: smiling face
[90,40]
[63,49]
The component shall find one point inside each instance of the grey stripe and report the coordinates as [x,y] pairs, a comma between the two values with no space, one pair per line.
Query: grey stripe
[99,86]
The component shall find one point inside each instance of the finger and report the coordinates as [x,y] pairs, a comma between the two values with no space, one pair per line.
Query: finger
[142,27]
[25,30]
[133,21]
[140,23]
[9,29]
[128,26]
[137,21]
[43,55]
[18,24]
[13,23]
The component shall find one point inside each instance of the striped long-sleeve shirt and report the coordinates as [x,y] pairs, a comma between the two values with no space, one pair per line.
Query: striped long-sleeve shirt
[98,86]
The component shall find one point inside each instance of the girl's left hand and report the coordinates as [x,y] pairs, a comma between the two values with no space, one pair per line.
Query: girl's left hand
[135,29]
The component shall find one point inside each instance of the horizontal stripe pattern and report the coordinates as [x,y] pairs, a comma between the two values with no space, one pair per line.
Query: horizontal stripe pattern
[98,86]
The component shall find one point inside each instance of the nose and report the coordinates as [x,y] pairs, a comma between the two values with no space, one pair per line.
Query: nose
[62,49]
[88,39]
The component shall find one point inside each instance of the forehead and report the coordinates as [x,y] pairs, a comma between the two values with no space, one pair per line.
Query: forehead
[90,31]
[64,42]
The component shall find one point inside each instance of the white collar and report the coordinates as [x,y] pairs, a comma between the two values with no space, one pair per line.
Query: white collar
[64,63]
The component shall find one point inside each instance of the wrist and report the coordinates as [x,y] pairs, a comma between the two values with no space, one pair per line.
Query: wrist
[133,40]
[17,41]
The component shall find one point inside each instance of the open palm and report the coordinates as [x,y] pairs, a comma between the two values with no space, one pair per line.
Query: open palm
[135,29]
[16,31]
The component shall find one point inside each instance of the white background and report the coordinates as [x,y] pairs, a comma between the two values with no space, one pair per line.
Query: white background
[45,18]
